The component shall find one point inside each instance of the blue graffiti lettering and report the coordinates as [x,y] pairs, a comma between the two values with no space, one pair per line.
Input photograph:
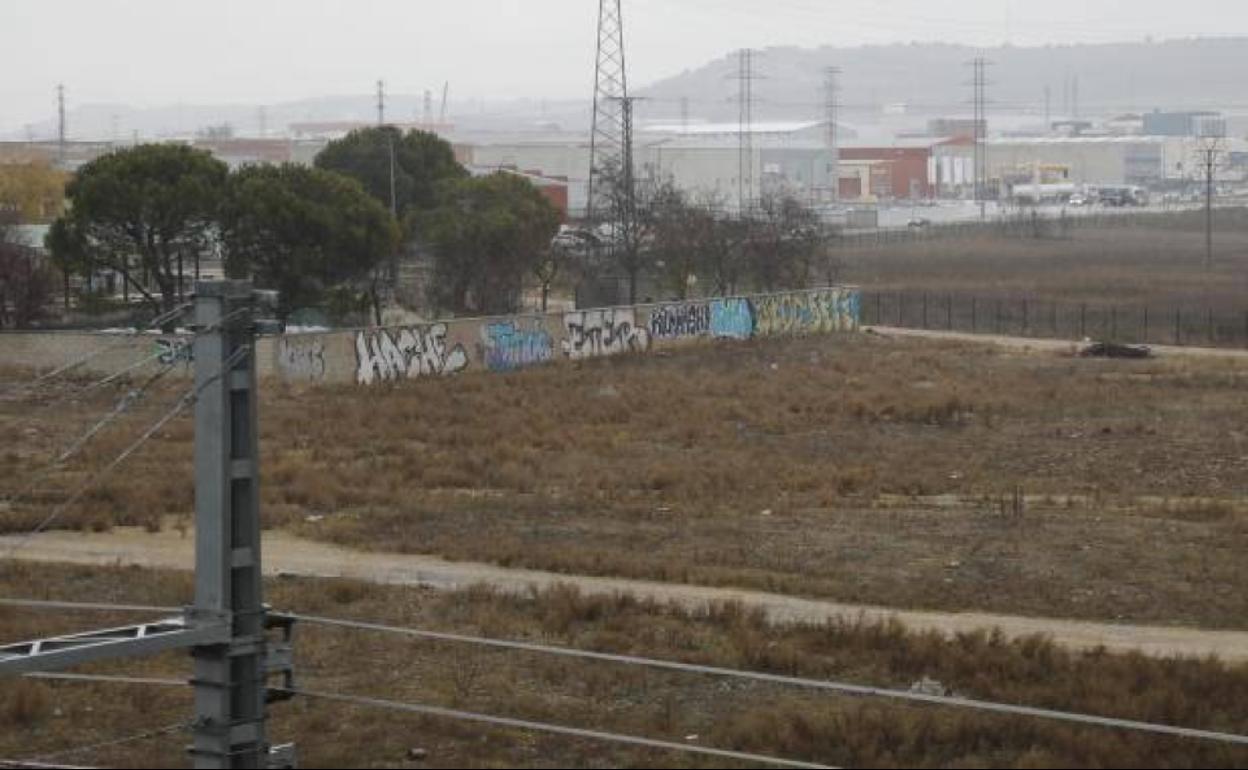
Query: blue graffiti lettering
[508,347]
[732,319]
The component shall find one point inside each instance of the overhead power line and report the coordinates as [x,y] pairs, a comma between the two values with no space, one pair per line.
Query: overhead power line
[153,681]
[546,727]
[51,604]
[845,688]
[129,399]
[143,736]
[183,402]
[91,356]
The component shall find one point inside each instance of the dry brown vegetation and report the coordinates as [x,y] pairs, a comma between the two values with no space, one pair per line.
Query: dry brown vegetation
[1156,260]
[852,467]
[37,718]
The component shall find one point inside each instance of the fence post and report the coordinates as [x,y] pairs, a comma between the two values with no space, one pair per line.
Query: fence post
[949,311]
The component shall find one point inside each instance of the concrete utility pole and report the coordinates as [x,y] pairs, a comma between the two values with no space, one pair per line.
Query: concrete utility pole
[226,627]
[381,102]
[229,678]
[60,123]
[1209,155]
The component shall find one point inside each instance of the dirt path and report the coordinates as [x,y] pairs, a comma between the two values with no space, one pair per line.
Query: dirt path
[287,554]
[1041,344]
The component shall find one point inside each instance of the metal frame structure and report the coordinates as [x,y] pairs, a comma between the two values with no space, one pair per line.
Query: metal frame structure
[227,628]
[606,137]
[979,86]
[832,138]
[745,131]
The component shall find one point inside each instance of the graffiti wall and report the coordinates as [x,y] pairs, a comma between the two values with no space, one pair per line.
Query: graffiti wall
[302,357]
[815,312]
[175,350]
[440,348]
[508,345]
[390,355]
[678,321]
[595,333]
[732,318]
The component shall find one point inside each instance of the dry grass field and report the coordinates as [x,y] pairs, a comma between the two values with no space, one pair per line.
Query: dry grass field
[39,718]
[1156,260]
[856,468]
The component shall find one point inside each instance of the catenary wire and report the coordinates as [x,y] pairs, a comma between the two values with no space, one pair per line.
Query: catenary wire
[52,604]
[821,684]
[135,738]
[184,401]
[129,399]
[846,688]
[88,357]
[153,681]
[524,724]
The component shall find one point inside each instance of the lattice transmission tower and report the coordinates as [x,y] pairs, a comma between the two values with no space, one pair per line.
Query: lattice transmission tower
[607,139]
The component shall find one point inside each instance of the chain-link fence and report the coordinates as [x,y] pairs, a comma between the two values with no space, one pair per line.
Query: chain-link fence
[1190,324]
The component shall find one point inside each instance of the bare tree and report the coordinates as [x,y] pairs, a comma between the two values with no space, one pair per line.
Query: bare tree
[25,281]
[786,243]
[629,224]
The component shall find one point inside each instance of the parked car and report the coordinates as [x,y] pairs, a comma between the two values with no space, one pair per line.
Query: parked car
[575,240]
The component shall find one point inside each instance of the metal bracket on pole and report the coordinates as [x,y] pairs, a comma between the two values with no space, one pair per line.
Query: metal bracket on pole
[227,627]
[60,652]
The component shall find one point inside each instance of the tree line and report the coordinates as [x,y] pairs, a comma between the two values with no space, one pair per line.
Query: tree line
[332,235]
[323,236]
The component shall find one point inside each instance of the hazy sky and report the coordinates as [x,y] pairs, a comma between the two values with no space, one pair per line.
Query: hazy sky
[156,52]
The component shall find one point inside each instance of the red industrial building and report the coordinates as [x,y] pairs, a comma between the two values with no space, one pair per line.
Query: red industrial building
[899,173]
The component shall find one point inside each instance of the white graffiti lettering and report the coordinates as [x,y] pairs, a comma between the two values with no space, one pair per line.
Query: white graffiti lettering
[594,333]
[388,355]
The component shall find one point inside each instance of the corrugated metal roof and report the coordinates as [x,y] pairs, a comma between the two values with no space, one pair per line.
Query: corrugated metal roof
[712,129]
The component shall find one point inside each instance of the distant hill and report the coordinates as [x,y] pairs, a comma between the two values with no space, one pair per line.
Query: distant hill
[104,122]
[929,78]
[932,79]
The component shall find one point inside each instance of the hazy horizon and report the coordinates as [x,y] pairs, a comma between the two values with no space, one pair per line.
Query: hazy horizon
[152,53]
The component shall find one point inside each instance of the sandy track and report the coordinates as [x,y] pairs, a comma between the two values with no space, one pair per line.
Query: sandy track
[287,554]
